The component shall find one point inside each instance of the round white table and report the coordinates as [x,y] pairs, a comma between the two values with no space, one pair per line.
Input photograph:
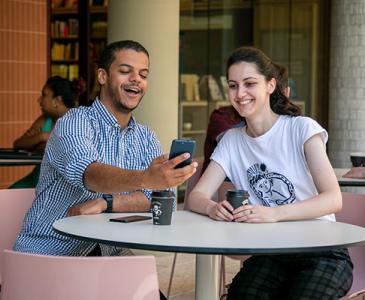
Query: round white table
[194,233]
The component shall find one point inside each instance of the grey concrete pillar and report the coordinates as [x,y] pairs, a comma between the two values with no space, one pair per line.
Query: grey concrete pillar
[155,24]
[347,81]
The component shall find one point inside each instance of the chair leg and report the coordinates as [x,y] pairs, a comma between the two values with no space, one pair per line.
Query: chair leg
[171,275]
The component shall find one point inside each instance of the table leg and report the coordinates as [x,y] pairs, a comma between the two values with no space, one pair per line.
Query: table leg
[207,277]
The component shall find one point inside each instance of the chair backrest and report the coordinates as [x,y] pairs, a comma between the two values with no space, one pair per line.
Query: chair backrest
[192,181]
[360,295]
[14,203]
[42,277]
[353,212]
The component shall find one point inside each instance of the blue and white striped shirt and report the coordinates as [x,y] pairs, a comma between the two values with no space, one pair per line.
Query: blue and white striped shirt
[81,137]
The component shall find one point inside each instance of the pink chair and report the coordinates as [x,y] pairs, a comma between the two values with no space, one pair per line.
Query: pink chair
[360,295]
[13,206]
[42,277]
[353,212]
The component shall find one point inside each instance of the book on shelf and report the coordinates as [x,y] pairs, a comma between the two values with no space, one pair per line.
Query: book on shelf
[60,70]
[189,85]
[65,51]
[69,72]
[64,3]
[224,86]
[98,2]
[99,29]
[73,72]
[209,88]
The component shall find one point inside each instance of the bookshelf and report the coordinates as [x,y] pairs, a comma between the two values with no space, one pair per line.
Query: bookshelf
[78,33]
[64,39]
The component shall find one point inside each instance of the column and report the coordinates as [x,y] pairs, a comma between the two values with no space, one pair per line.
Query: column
[155,24]
[347,81]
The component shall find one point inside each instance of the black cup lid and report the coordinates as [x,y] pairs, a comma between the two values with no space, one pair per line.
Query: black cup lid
[163,193]
[237,193]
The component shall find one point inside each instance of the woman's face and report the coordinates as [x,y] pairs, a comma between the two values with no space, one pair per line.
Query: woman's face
[248,91]
[47,101]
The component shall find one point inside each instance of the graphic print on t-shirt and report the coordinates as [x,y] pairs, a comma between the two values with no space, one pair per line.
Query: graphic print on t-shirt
[270,187]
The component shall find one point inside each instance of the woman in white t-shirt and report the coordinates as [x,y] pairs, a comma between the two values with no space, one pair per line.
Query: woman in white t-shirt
[280,158]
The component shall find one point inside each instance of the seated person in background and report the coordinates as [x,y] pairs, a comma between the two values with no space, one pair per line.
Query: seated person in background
[280,158]
[226,117]
[57,97]
[356,172]
[220,120]
[99,159]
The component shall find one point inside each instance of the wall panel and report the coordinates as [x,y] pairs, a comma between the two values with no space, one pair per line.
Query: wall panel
[23,64]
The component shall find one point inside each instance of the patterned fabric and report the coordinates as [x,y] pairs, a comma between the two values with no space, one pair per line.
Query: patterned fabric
[320,275]
[83,136]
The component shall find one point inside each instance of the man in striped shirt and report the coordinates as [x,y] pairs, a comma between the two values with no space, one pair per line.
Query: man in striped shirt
[99,159]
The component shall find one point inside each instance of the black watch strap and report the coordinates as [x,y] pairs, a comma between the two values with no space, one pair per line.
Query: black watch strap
[109,203]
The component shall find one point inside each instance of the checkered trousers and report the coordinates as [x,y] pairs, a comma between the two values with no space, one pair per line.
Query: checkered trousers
[321,275]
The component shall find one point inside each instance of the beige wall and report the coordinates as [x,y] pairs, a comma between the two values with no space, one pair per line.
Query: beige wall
[23,65]
[155,24]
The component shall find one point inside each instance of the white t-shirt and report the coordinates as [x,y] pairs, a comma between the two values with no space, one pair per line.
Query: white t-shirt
[272,167]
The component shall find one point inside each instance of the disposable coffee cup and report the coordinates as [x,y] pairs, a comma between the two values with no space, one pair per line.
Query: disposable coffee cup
[357,159]
[237,198]
[162,203]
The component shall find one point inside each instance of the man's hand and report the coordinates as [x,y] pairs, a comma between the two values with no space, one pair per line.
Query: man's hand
[91,207]
[161,174]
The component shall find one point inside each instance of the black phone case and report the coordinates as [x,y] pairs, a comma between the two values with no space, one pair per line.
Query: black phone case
[181,146]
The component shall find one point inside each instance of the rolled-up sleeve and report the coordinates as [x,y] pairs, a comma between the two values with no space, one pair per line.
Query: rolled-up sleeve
[71,149]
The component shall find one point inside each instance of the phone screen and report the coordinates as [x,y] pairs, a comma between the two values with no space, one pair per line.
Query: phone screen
[130,219]
[182,146]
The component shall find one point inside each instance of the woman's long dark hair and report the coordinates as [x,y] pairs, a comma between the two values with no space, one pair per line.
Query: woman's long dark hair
[279,103]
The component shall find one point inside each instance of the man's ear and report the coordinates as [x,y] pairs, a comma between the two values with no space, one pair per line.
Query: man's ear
[102,76]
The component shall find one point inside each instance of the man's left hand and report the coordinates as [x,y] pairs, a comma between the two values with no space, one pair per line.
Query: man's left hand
[91,207]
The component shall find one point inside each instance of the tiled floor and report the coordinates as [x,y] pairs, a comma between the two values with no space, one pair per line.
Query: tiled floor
[183,285]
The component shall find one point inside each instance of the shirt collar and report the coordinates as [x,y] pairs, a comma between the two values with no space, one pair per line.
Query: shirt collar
[108,117]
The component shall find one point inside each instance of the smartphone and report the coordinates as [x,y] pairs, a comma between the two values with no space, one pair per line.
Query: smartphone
[129,219]
[181,146]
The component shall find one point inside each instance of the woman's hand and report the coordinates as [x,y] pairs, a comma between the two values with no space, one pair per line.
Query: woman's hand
[91,207]
[255,214]
[221,211]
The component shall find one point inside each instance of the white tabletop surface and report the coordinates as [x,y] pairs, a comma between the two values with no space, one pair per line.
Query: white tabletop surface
[347,181]
[194,233]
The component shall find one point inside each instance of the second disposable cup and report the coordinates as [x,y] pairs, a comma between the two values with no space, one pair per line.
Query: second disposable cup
[237,197]
[162,204]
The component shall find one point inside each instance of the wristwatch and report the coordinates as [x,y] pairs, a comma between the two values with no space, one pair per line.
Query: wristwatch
[109,203]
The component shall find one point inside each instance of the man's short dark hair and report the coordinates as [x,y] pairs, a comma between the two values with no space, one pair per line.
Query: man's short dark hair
[107,55]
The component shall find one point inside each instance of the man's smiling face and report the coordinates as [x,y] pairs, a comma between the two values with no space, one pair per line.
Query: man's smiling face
[126,79]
